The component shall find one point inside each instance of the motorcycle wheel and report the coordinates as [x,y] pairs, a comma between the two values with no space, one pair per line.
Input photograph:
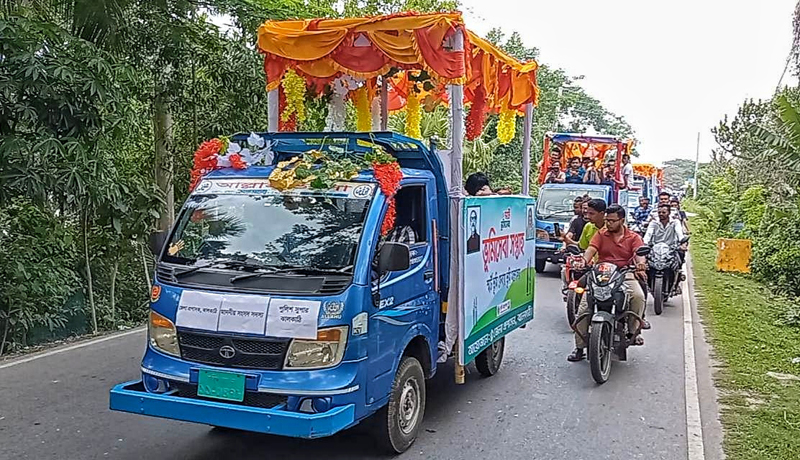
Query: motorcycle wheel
[572,306]
[658,295]
[600,352]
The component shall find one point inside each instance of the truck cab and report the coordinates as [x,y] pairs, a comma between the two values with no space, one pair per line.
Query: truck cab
[555,207]
[297,311]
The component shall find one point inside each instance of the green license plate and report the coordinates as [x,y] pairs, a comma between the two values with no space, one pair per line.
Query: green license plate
[220,385]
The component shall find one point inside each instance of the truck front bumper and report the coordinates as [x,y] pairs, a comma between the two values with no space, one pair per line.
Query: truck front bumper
[550,252]
[132,397]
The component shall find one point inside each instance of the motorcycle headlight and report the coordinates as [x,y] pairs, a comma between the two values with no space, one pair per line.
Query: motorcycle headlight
[162,334]
[601,293]
[326,351]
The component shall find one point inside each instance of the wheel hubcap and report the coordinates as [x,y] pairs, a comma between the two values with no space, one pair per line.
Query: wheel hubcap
[408,411]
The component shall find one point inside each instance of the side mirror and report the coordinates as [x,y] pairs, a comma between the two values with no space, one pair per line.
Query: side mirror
[157,241]
[394,257]
[574,250]
[643,251]
[684,240]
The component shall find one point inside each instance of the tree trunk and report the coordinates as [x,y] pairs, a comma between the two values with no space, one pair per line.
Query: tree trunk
[113,292]
[162,129]
[5,335]
[90,284]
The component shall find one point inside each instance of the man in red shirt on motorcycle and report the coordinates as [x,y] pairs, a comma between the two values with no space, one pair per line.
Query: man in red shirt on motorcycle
[615,244]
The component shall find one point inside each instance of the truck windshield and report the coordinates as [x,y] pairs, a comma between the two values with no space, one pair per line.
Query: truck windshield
[271,230]
[555,204]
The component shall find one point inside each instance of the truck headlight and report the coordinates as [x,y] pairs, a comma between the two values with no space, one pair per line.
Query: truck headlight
[162,334]
[542,235]
[326,351]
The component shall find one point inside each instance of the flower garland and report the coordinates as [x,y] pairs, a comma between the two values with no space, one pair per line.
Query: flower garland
[289,125]
[220,153]
[364,119]
[477,115]
[294,86]
[413,115]
[205,160]
[389,175]
[506,125]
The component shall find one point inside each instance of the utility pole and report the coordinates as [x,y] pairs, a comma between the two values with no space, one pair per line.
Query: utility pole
[696,166]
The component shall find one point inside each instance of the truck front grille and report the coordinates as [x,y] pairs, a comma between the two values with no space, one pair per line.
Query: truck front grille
[250,353]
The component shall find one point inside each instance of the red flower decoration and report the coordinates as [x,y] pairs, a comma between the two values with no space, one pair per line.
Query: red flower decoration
[205,160]
[236,161]
[477,114]
[389,176]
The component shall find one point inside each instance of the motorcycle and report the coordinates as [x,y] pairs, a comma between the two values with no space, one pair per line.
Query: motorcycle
[575,267]
[664,273]
[637,227]
[609,308]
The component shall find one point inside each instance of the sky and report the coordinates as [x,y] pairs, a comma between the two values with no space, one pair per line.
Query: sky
[672,69]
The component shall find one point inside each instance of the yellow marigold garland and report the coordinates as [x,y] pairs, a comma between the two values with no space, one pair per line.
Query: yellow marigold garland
[413,116]
[294,86]
[506,125]
[364,121]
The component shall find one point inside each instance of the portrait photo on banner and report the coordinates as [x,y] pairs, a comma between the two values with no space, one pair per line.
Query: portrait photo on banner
[473,229]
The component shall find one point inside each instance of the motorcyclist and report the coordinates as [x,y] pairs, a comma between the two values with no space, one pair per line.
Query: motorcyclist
[642,212]
[666,230]
[614,244]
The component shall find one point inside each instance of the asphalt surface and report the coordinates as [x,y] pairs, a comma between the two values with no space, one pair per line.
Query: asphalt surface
[539,406]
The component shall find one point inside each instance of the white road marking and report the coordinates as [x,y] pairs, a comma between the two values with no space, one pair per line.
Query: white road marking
[694,425]
[71,347]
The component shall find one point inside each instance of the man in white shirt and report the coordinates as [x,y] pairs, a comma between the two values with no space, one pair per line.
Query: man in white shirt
[665,229]
[627,171]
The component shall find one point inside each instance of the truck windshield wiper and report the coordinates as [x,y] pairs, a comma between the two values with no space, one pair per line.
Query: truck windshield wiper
[221,263]
[298,269]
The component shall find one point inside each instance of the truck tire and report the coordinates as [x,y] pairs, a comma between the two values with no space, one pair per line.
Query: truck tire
[489,360]
[541,264]
[398,422]
[658,295]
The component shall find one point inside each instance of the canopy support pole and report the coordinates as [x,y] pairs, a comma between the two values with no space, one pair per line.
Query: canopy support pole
[384,103]
[273,107]
[526,150]
[454,300]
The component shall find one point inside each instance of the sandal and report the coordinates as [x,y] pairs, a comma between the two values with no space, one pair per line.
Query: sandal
[638,341]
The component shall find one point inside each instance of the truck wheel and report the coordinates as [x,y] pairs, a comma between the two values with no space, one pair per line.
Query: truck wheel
[488,361]
[399,421]
[658,295]
[540,265]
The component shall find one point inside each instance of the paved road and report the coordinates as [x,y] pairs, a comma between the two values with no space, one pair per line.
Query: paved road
[538,407]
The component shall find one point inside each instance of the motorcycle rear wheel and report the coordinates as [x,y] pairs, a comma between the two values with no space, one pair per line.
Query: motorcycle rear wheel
[600,352]
[658,295]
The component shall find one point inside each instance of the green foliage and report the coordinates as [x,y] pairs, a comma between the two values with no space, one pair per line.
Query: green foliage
[36,279]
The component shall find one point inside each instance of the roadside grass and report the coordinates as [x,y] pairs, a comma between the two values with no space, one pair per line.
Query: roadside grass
[760,410]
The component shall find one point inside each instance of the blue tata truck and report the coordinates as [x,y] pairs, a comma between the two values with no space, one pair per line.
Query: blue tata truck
[246,262]
[554,206]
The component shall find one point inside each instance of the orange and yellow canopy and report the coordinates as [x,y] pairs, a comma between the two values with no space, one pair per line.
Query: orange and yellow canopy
[323,49]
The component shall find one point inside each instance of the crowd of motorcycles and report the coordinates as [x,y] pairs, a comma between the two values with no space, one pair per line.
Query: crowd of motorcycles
[603,286]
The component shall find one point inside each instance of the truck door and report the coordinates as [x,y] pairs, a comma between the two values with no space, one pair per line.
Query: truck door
[407,299]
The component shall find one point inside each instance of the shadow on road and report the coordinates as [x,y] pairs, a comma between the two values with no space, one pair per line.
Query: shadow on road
[355,443]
